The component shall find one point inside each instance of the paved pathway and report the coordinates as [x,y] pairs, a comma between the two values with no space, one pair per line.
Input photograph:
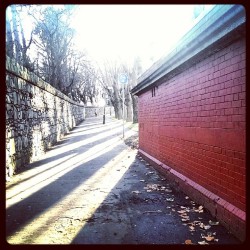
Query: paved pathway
[91,188]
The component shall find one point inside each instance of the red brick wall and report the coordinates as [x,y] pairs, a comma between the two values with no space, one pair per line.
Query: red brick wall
[195,123]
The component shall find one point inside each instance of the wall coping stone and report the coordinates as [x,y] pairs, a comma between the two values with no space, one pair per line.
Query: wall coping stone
[219,27]
[16,69]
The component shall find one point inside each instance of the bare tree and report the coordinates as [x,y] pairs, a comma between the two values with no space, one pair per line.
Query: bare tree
[85,86]
[53,38]
[9,39]
[16,44]
[136,71]
[127,95]
[131,100]
[107,75]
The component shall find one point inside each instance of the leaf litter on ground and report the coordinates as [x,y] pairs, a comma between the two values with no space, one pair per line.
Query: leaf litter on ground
[136,192]
[170,199]
[188,242]
[213,223]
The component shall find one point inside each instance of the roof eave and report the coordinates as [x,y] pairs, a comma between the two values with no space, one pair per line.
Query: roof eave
[202,40]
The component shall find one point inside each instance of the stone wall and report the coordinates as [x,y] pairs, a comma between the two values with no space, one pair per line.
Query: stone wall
[37,116]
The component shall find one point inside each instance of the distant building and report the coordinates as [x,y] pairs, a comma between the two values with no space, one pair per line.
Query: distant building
[192,111]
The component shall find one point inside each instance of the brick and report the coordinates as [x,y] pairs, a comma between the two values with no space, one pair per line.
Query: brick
[229,98]
[242,95]
[236,104]
[236,118]
[239,155]
[239,162]
[229,111]
[236,59]
[236,89]
[225,105]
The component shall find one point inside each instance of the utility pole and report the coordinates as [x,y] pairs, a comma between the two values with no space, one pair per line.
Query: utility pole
[122,111]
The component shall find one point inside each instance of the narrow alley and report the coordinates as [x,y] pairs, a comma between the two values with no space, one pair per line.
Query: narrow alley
[92,188]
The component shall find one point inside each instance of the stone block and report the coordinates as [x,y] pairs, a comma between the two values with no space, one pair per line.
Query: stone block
[12,147]
[15,97]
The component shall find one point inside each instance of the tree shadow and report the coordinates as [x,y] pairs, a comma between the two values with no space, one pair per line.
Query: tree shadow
[26,210]
[132,213]
[68,151]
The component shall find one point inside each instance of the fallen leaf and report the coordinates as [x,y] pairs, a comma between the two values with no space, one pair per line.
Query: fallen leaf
[142,180]
[200,207]
[202,242]
[203,226]
[183,207]
[209,238]
[181,211]
[185,219]
[188,242]
[169,199]
[184,215]
[214,223]
[206,227]
[186,197]
[197,222]
[216,240]
[158,211]
[168,190]
[136,192]
[192,228]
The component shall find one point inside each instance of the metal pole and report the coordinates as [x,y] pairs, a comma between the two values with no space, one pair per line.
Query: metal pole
[123,111]
[104,115]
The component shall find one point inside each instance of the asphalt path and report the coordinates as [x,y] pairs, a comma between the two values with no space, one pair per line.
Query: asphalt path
[92,188]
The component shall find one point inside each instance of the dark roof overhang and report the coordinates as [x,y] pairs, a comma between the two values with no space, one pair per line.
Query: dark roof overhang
[219,27]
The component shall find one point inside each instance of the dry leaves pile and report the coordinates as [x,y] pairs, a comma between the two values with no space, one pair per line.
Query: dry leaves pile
[157,187]
[206,237]
[195,225]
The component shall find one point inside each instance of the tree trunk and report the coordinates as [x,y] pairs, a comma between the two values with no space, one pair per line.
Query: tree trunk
[118,112]
[129,109]
[16,36]
[135,108]
[9,39]
[117,103]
